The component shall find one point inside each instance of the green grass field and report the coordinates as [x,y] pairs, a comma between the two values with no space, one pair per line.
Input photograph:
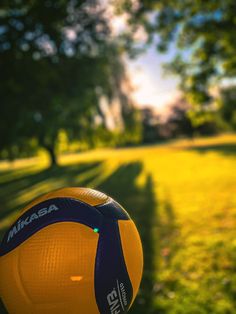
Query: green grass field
[182,197]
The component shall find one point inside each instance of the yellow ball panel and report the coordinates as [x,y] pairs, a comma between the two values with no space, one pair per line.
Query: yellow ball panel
[55,271]
[86,195]
[11,289]
[133,252]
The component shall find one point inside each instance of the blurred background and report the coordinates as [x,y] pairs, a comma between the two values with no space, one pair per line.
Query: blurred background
[137,99]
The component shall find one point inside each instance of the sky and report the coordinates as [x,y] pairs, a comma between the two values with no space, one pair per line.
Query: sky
[152,86]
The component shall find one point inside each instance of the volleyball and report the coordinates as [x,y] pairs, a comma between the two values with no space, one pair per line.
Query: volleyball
[74,251]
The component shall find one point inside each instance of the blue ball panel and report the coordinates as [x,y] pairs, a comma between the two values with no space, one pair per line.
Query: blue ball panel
[113,288]
[113,210]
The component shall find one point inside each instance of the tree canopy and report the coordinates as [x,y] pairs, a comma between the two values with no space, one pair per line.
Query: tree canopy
[203,33]
[54,58]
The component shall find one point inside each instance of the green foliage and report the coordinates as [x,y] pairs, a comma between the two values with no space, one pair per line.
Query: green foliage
[228,106]
[203,33]
[57,59]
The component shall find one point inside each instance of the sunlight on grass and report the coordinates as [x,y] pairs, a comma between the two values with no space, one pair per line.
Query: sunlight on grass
[183,199]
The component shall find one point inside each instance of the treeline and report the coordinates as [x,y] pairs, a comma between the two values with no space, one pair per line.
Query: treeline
[179,121]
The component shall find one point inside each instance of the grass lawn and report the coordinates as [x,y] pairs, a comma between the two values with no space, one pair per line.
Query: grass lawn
[182,197]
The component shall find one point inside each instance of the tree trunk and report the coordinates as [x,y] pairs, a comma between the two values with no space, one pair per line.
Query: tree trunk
[52,155]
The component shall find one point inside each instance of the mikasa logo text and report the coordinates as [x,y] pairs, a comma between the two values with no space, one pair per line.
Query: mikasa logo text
[113,301]
[117,299]
[28,220]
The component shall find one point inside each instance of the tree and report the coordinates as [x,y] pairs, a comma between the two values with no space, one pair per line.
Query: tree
[54,97]
[228,106]
[179,122]
[150,123]
[54,57]
[203,33]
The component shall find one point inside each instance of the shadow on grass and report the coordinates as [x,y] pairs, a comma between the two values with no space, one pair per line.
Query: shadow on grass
[225,149]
